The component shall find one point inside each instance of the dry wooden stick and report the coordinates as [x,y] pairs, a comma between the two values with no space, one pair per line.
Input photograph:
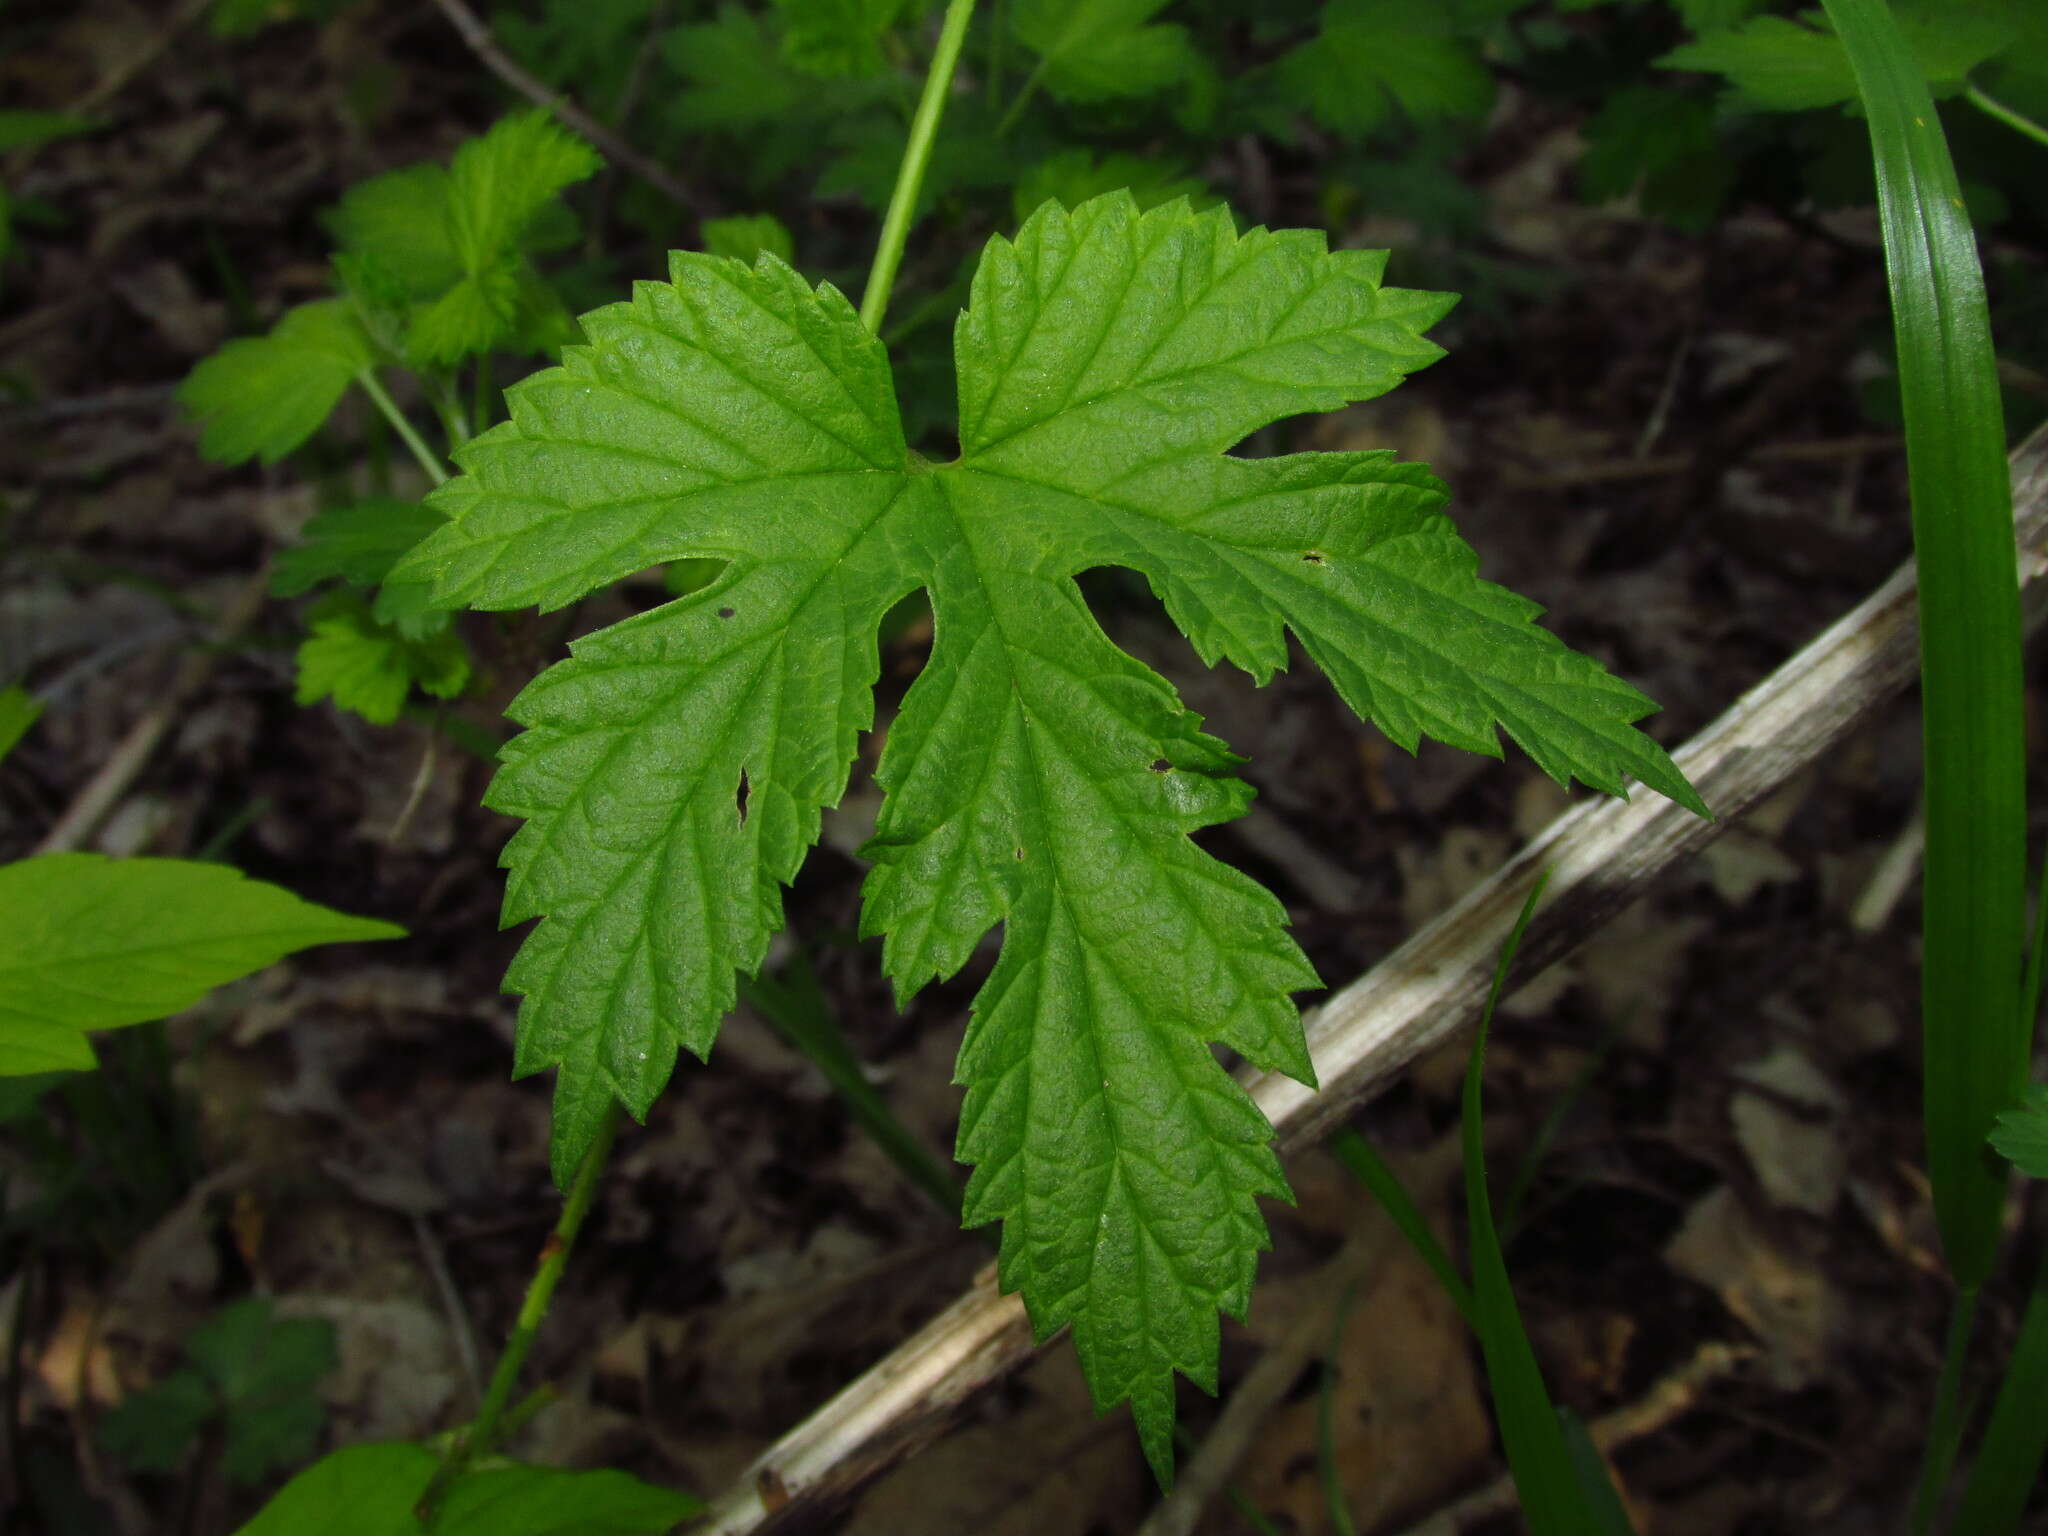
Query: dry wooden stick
[1601,856]
[1670,1399]
[97,800]
[506,68]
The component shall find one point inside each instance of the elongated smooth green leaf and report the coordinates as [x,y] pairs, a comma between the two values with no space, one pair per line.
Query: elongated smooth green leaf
[360,1490]
[1363,1159]
[543,1501]
[88,942]
[371,1490]
[1554,1499]
[24,129]
[2009,1457]
[795,1004]
[18,711]
[1976,1039]
[1038,778]
[262,396]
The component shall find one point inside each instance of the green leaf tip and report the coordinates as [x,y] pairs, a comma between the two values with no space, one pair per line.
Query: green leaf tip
[88,942]
[673,771]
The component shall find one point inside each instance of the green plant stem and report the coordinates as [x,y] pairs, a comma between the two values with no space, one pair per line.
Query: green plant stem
[2009,1455]
[436,472]
[1336,1503]
[1945,1427]
[490,1419]
[2030,983]
[1991,106]
[1025,92]
[917,157]
[1973,896]
[480,395]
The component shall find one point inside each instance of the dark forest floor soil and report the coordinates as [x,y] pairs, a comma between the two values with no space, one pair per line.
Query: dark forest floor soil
[1725,1247]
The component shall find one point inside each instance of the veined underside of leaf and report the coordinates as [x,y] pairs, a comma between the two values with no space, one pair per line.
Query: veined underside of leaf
[673,772]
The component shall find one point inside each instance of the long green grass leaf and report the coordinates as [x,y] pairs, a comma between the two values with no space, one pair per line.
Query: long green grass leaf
[1366,1165]
[1554,1500]
[2009,1458]
[1975,1038]
[795,1004]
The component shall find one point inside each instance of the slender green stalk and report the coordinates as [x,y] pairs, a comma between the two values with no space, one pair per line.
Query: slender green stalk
[1335,1501]
[796,1006]
[917,157]
[2009,1457]
[1945,1425]
[484,1431]
[1023,99]
[1974,892]
[1990,106]
[2030,985]
[1385,1186]
[483,387]
[436,472]
[1538,1457]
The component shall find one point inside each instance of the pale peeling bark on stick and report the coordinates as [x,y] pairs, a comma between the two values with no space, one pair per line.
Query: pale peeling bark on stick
[1601,855]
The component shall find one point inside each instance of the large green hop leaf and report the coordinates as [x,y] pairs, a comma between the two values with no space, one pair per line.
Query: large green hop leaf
[673,772]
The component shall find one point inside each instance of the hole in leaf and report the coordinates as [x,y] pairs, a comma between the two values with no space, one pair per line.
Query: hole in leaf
[725,613]
[1161,765]
[1313,557]
[744,790]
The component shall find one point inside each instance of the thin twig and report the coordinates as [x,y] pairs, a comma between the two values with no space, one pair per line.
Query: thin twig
[1602,855]
[1681,463]
[1670,1399]
[97,800]
[617,150]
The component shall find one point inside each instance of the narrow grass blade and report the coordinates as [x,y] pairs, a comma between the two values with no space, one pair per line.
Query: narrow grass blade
[2009,1458]
[18,711]
[795,1005]
[1603,1500]
[1975,1039]
[1335,1501]
[1384,1185]
[1554,1501]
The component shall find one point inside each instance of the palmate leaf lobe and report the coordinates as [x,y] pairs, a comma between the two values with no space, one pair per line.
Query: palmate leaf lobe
[1037,777]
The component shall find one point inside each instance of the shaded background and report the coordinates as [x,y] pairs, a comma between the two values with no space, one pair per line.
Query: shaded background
[1666,414]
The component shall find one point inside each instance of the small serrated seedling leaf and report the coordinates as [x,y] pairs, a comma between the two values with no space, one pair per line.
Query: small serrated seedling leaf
[499,184]
[1074,176]
[252,1371]
[262,396]
[673,772]
[1784,65]
[264,1370]
[396,229]
[2021,1135]
[371,666]
[1095,50]
[836,37]
[1373,56]
[745,236]
[88,942]
[356,544]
